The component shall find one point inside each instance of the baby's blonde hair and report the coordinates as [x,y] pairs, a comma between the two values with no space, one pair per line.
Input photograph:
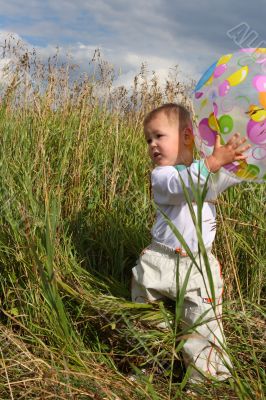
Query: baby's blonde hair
[172,111]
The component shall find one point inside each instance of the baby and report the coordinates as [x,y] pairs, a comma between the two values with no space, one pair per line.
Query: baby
[168,132]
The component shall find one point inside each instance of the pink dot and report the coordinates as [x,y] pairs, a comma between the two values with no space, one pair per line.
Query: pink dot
[256,131]
[206,133]
[259,82]
[219,70]
[231,167]
[224,88]
[198,95]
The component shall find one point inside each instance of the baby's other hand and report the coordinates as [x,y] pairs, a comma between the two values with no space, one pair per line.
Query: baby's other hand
[224,154]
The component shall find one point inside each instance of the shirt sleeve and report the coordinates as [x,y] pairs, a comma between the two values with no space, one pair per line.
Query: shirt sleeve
[167,184]
[219,182]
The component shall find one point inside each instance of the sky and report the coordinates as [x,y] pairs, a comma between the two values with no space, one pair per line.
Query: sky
[161,33]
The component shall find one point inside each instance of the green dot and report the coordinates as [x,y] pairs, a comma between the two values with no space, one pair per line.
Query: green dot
[253,170]
[226,124]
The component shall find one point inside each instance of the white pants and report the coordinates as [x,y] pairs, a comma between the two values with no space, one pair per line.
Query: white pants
[155,277]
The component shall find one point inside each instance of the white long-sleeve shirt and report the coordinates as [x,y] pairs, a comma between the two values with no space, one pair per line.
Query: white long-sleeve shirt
[170,199]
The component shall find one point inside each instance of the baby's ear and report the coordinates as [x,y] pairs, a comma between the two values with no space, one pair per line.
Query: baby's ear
[188,136]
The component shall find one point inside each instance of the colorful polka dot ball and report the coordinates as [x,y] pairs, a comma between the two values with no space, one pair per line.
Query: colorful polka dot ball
[231,97]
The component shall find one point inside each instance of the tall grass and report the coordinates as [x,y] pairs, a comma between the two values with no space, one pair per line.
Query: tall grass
[76,211]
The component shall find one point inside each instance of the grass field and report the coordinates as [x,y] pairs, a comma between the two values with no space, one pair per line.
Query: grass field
[75,213]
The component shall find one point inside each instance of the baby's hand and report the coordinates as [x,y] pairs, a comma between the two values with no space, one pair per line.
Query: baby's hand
[224,154]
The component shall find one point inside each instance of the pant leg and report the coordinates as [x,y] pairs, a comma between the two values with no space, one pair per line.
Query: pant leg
[141,294]
[153,277]
[204,347]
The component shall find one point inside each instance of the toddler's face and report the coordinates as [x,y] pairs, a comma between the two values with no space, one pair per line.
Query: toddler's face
[163,139]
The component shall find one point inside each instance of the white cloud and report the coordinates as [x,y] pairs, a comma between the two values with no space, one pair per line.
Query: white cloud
[162,34]
[126,64]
